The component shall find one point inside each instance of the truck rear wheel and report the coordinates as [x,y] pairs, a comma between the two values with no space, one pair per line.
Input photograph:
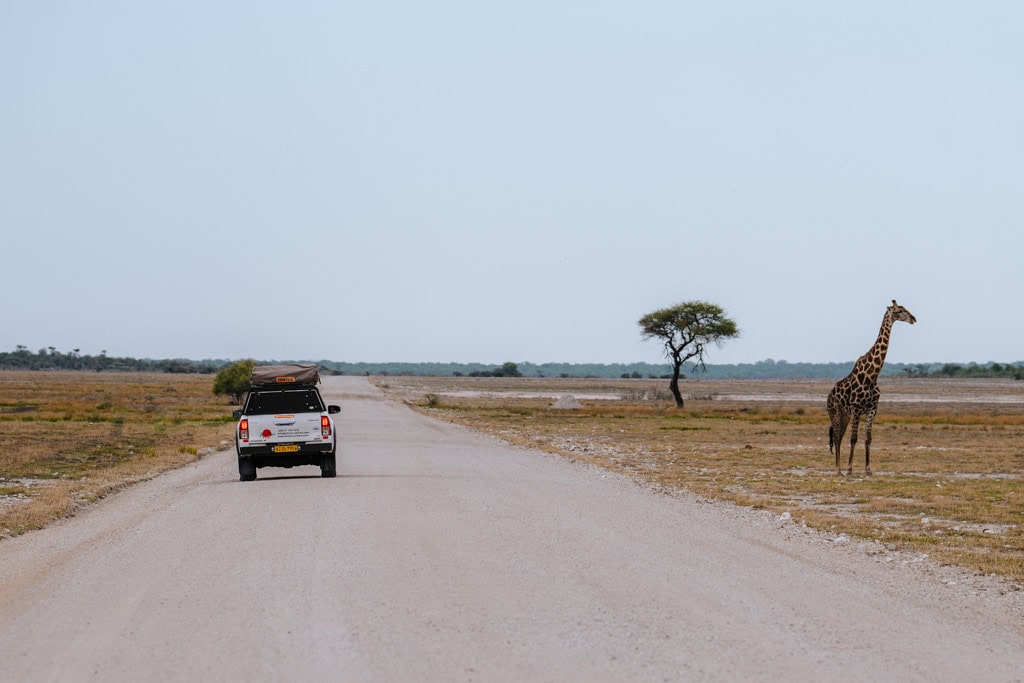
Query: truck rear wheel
[327,465]
[246,469]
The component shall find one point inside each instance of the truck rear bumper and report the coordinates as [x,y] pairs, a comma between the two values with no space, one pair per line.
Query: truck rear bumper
[264,455]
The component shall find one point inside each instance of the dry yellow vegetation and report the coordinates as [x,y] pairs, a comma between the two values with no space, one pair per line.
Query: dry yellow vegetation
[69,438]
[947,455]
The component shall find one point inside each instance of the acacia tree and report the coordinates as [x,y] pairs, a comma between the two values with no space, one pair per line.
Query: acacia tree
[686,330]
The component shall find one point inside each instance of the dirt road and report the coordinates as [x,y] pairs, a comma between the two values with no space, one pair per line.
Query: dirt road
[440,554]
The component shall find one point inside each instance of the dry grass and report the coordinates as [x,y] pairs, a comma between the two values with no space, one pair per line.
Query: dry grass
[947,456]
[69,438]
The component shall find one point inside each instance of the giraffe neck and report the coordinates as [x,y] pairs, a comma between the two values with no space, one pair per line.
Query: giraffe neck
[870,364]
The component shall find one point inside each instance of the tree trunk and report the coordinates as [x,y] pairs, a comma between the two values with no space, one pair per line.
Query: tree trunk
[674,385]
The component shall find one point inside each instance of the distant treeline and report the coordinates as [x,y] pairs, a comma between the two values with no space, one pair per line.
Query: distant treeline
[52,359]
[766,369]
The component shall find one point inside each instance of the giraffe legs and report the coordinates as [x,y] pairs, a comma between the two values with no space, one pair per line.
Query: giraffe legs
[855,425]
[867,442]
[835,415]
[835,437]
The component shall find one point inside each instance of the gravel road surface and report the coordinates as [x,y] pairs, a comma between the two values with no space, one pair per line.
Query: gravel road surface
[439,554]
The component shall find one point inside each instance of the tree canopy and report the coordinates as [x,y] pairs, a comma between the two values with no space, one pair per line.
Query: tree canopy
[686,330]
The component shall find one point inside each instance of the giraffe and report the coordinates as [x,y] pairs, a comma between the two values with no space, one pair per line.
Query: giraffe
[857,393]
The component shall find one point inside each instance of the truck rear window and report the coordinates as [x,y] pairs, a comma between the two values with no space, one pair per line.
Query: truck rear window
[277,402]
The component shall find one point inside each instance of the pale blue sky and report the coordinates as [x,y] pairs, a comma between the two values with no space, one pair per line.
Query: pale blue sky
[485,181]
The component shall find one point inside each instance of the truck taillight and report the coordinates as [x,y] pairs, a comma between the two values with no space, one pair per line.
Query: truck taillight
[243,430]
[325,426]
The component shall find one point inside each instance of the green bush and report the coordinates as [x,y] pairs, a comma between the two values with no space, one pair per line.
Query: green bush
[234,379]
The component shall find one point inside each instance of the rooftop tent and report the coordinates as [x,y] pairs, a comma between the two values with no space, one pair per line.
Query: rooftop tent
[287,373]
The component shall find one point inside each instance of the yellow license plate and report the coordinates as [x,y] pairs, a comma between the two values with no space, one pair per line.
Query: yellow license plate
[292,448]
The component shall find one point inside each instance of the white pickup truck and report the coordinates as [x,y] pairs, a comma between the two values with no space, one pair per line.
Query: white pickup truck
[284,422]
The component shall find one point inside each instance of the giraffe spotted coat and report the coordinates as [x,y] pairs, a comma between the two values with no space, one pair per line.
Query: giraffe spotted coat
[856,395]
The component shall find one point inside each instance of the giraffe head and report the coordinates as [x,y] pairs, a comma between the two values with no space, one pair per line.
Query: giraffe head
[899,313]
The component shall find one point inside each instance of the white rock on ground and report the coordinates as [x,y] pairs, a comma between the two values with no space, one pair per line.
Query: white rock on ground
[567,402]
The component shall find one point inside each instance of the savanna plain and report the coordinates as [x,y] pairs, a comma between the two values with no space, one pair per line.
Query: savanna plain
[947,455]
[68,439]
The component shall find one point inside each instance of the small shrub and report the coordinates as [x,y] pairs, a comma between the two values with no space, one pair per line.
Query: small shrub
[234,380]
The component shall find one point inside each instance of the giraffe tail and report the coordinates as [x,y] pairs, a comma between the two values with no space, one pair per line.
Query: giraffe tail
[830,433]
